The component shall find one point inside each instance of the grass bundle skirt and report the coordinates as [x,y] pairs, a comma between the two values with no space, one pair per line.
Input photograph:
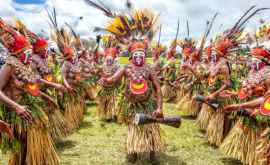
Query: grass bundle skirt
[191,108]
[204,117]
[59,126]
[74,112]
[37,147]
[106,107]
[180,93]
[183,103]
[91,93]
[240,143]
[262,145]
[168,91]
[215,129]
[142,139]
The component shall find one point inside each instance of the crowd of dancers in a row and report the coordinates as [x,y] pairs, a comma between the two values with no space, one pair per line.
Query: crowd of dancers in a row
[222,81]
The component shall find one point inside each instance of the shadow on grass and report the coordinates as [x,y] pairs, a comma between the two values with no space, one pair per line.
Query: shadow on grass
[66,144]
[188,117]
[207,144]
[230,161]
[163,159]
[85,125]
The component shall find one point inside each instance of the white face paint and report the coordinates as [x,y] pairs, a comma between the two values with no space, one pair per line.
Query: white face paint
[138,58]
[255,62]
[27,58]
[109,60]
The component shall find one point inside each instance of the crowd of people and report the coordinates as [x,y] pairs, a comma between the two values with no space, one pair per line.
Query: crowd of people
[221,81]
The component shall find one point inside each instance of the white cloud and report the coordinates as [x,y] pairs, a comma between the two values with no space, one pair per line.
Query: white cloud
[197,12]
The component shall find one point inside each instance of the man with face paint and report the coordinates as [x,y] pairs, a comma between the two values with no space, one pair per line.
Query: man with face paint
[254,88]
[107,95]
[58,124]
[142,94]
[170,74]
[60,128]
[20,96]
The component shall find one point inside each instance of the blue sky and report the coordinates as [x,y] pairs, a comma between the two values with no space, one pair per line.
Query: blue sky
[33,13]
[30,1]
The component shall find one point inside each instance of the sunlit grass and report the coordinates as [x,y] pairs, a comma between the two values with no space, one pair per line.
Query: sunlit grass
[100,143]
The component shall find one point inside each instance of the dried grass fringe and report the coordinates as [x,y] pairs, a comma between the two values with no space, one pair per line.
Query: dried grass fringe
[214,132]
[144,139]
[107,107]
[261,148]
[240,143]
[183,105]
[59,126]
[168,91]
[39,147]
[74,113]
[204,117]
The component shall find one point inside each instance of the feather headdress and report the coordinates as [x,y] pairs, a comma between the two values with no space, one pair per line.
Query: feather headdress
[38,43]
[231,38]
[61,36]
[127,27]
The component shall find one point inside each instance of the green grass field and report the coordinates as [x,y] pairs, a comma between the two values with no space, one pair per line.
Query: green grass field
[99,143]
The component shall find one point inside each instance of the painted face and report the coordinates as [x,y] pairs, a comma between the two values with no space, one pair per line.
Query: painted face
[255,64]
[109,60]
[44,53]
[213,58]
[138,58]
[26,56]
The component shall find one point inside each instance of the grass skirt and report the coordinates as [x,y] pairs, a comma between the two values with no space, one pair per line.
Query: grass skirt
[36,147]
[240,143]
[74,111]
[190,107]
[91,93]
[168,91]
[182,104]
[59,126]
[262,145]
[107,107]
[204,117]
[141,139]
[215,129]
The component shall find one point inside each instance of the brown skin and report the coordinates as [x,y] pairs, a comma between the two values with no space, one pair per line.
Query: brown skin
[87,64]
[253,103]
[220,68]
[152,77]
[38,63]
[10,95]
[69,74]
